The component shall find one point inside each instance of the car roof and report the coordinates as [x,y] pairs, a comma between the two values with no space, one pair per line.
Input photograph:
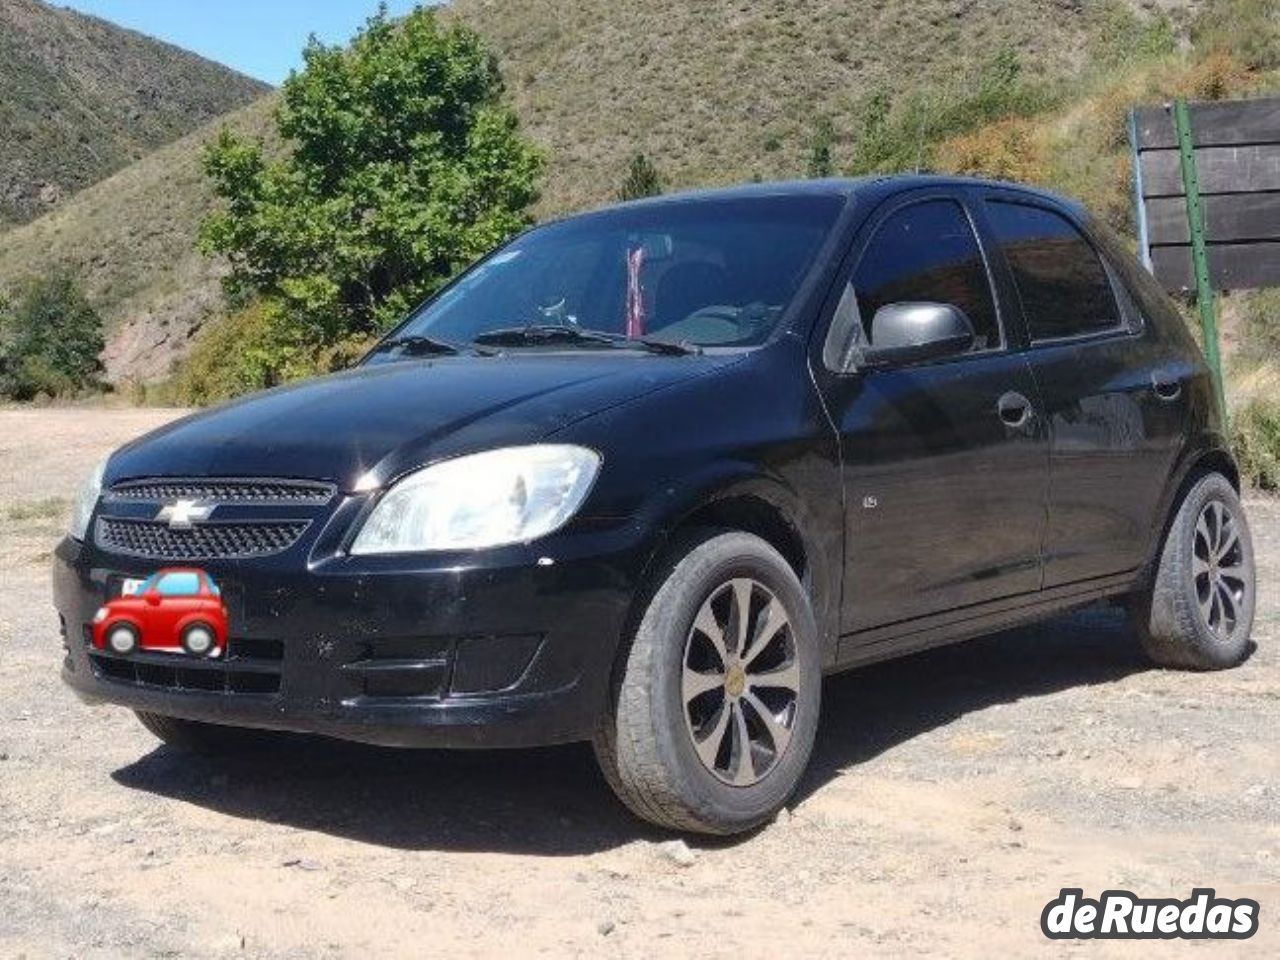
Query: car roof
[874,188]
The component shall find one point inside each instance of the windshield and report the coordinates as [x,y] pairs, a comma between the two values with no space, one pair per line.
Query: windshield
[711,273]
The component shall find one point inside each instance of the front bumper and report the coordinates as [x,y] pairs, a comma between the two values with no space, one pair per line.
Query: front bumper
[516,651]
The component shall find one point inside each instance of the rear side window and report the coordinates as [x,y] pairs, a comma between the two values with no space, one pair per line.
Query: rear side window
[1064,287]
[928,252]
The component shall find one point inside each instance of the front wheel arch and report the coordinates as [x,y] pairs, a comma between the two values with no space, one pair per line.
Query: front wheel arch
[766,509]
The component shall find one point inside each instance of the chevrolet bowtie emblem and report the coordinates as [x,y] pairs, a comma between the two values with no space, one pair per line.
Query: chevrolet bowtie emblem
[182,514]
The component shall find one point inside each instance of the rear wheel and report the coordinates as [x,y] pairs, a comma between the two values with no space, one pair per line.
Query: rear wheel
[198,639]
[209,739]
[1198,612]
[716,707]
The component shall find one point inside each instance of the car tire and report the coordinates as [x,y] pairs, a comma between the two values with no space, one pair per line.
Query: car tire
[679,687]
[208,739]
[192,628]
[1197,612]
[122,628]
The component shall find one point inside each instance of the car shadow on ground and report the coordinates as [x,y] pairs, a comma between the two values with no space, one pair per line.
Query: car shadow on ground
[554,802]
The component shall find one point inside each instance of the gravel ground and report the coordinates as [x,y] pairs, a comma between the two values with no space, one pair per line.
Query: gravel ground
[951,796]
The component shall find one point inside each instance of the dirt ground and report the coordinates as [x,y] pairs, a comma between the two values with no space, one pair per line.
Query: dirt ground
[951,796]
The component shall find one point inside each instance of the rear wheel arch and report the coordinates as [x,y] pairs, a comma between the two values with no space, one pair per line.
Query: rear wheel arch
[1209,456]
[1216,460]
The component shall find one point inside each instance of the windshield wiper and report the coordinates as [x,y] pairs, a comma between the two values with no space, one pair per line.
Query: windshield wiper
[542,334]
[416,345]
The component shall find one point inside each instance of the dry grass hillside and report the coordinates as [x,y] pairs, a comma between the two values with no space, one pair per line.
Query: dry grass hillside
[81,98]
[720,91]
[130,240]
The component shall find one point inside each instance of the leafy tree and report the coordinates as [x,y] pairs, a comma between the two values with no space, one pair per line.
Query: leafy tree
[824,134]
[50,338]
[402,165]
[642,179]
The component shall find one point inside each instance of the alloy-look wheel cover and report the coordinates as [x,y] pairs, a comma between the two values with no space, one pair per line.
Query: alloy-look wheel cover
[740,682]
[1220,571]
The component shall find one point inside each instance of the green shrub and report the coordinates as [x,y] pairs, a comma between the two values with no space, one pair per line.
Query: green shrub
[1255,435]
[1255,424]
[1247,29]
[820,144]
[1260,325]
[50,339]
[1119,36]
[903,135]
[641,180]
[255,348]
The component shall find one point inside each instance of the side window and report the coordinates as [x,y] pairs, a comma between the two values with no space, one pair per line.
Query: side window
[178,585]
[1065,289]
[928,252]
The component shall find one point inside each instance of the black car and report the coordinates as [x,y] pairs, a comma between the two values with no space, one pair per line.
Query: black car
[642,476]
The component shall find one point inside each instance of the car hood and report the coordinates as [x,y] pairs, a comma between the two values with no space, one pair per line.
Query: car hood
[392,417]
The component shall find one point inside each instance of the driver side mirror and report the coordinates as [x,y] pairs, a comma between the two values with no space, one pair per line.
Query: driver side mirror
[153,599]
[911,332]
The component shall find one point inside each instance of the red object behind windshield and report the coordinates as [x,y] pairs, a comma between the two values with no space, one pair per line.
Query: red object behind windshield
[635,294]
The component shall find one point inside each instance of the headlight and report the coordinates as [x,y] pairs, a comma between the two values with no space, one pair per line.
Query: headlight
[488,499]
[100,615]
[86,500]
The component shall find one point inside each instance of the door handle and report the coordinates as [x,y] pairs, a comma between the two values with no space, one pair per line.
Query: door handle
[1166,387]
[1015,410]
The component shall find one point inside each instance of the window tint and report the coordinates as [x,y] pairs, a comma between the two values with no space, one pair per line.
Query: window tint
[178,585]
[1064,287]
[928,252]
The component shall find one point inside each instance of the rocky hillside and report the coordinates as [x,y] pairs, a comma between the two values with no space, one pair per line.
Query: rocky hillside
[81,98]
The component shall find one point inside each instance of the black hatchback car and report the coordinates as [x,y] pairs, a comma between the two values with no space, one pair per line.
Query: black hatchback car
[642,476]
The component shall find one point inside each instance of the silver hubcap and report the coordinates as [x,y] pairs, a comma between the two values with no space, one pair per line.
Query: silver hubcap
[121,640]
[199,640]
[1218,568]
[740,682]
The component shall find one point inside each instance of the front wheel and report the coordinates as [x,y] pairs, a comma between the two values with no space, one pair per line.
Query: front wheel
[716,707]
[1198,610]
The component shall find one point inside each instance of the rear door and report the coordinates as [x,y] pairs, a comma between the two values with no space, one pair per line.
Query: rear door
[1113,392]
[945,463]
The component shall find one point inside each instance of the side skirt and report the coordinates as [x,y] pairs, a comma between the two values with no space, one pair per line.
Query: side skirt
[939,629]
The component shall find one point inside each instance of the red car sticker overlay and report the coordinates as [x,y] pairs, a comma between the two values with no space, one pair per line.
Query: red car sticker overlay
[178,610]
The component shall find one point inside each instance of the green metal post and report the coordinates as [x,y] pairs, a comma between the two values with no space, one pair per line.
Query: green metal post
[1199,254]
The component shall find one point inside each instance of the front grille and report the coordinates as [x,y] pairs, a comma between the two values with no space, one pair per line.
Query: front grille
[209,541]
[224,491]
[250,667]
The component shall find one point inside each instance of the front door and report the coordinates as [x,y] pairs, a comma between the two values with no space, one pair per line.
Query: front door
[945,463]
